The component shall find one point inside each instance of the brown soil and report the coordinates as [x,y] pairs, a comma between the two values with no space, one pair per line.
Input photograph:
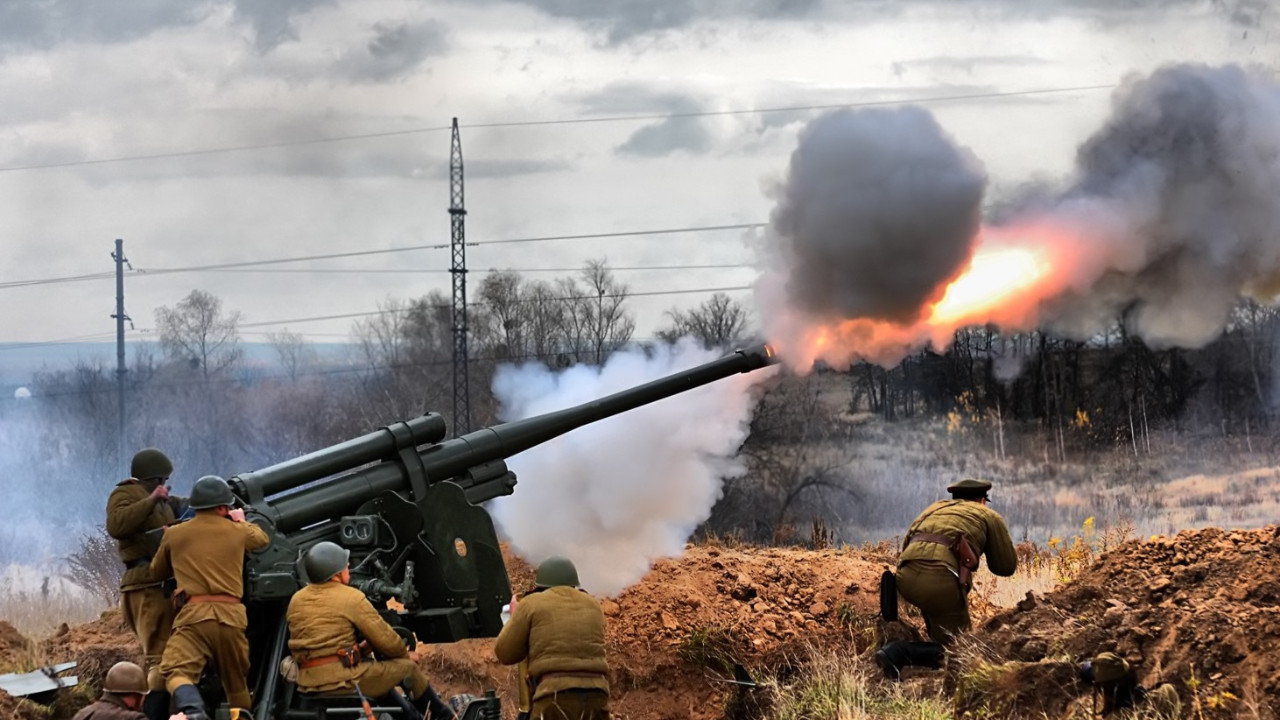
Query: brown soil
[1205,603]
[14,708]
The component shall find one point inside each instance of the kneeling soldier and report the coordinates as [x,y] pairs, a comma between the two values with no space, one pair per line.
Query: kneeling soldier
[324,618]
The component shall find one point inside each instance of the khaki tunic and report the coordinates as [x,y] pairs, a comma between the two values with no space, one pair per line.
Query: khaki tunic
[324,618]
[108,707]
[206,556]
[560,631]
[146,609]
[927,572]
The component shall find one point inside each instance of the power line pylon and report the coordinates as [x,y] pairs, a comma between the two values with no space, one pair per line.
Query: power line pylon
[457,221]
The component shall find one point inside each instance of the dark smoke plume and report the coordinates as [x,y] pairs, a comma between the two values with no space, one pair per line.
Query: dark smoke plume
[1179,197]
[879,210]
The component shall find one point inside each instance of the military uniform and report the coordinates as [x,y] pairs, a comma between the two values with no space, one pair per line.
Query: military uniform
[145,606]
[928,570]
[108,707]
[1114,679]
[560,631]
[323,619]
[206,556]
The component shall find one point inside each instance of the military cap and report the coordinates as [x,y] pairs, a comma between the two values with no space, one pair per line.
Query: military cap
[970,487]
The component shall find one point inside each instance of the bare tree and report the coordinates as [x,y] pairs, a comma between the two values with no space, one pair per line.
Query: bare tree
[719,322]
[196,331]
[595,320]
[293,351]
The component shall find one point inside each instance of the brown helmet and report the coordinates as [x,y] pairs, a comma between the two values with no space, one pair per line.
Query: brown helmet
[124,678]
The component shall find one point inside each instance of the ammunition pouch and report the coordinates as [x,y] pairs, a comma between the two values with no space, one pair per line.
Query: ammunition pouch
[966,558]
[180,598]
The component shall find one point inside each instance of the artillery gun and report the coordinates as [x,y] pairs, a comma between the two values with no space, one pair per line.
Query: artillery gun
[407,503]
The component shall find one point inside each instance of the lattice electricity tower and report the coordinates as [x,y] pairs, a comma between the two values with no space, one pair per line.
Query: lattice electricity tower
[457,218]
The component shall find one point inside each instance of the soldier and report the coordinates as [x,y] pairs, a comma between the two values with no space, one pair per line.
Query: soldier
[136,505]
[941,549]
[559,629]
[123,691]
[206,556]
[324,618]
[1117,683]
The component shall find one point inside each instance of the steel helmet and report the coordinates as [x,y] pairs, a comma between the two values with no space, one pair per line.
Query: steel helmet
[1107,667]
[125,677]
[556,570]
[211,491]
[150,463]
[324,560]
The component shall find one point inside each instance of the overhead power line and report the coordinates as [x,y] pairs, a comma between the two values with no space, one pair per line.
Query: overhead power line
[347,316]
[532,123]
[445,271]
[140,272]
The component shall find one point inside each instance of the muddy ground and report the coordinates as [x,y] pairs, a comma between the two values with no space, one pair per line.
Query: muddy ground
[1201,610]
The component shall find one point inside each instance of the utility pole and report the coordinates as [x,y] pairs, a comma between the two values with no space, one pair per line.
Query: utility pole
[120,317]
[457,222]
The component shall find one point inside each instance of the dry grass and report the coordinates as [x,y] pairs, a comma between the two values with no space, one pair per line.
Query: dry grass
[838,687]
[36,602]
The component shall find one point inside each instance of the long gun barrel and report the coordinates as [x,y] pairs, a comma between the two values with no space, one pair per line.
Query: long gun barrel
[449,459]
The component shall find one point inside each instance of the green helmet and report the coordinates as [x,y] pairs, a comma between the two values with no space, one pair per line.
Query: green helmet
[124,678]
[150,463]
[324,560]
[556,570]
[210,491]
[1109,667]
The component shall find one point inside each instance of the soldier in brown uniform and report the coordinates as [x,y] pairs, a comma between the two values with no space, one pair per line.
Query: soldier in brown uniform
[123,691]
[137,505]
[324,618]
[931,572]
[206,556]
[560,631]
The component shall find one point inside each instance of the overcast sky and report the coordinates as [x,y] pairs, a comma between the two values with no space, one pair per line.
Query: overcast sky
[87,81]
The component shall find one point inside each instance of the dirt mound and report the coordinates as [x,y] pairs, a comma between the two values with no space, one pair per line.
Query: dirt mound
[14,708]
[96,646]
[674,637]
[13,647]
[1200,610]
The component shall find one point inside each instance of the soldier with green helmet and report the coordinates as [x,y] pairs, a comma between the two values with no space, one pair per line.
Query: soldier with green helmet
[559,630]
[206,557]
[1115,680]
[941,549]
[138,504]
[327,619]
[123,690]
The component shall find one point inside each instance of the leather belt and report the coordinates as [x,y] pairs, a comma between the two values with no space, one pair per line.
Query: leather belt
[583,674]
[229,599]
[934,538]
[314,662]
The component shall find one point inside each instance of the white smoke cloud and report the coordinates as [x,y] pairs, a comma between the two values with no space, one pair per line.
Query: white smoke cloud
[615,495]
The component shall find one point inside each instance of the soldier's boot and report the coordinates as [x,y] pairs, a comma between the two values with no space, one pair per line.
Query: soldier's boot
[895,656]
[432,707]
[156,705]
[186,698]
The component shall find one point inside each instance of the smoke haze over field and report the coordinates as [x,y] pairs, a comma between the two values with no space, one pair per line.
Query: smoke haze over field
[617,494]
[1170,216]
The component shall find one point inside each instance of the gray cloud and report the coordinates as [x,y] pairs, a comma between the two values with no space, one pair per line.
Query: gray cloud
[41,24]
[688,134]
[272,20]
[619,21]
[395,50]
